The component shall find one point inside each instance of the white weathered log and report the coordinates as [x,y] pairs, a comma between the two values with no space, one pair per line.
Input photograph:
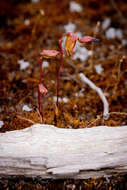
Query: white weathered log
[50,152]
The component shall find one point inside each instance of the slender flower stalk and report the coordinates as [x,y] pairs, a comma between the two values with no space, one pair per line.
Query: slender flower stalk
[41,89]
[39,93]
[59,71]
[69,46]
[40,105]
[41,70]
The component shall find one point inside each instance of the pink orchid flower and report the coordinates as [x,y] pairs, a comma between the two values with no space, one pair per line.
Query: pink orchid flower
[49,53]
[86,39]
[70,42]
[42,89]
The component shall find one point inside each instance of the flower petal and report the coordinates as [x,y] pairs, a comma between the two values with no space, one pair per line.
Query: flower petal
[49,53]
[42,89]
[70,42]
[86,39]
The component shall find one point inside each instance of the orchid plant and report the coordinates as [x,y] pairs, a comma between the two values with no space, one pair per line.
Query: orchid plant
[70,42]
[45,54]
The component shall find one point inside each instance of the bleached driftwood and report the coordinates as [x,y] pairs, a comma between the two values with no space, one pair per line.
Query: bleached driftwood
[50,152]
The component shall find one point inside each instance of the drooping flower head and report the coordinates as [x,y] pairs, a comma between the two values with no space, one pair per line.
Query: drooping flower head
[70,42]
[42,89]
[86,39]
[49,54]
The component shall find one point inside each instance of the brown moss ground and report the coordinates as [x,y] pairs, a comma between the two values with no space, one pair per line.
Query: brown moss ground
[19,41]
[118,182]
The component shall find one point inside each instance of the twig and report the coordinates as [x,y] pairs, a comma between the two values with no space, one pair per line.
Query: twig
[23,118]
[120,14]
[119,74]
[92,45]
[84,79]
[91,123]
[117,113]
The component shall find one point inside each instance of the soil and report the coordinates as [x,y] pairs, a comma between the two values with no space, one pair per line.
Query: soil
[26,28]
[118,182]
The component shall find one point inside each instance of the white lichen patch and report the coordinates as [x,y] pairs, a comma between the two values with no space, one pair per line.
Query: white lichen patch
[106,23]
[80,93]
[99,69]
[1,124]
[27,22]
[64,99]
[75,7]
[119,34]
[81,53]
[35,1]
[23,64]
[110,33]
[113,33]
[26,108]
[124,42]
[70,27]
[45,64]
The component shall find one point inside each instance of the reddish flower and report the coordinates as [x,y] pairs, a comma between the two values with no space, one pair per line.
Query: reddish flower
[86,39]
[42,89]
[49,53]
[70,42]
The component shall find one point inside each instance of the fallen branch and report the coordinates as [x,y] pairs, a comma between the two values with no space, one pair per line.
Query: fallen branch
[49,152]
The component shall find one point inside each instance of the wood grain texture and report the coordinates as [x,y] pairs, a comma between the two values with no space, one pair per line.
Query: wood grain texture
[50,152]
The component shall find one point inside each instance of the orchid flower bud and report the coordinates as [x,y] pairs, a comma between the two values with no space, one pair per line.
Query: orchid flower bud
[42,89]
[49,53]
[86,39]
[70,42]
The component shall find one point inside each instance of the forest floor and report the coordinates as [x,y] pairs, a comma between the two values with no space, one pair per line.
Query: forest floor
[26,28]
